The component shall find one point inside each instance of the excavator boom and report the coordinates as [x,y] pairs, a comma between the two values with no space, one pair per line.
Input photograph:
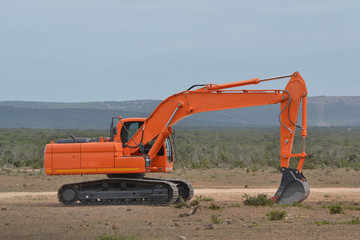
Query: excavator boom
[138,146]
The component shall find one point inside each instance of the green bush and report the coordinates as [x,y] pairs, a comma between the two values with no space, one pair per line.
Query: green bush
[180,203]
[195,202]
[259,200]
[336,209]
[206,199]
[276,215]
[214,206]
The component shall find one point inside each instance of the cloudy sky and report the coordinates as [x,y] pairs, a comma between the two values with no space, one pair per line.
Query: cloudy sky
[105,50]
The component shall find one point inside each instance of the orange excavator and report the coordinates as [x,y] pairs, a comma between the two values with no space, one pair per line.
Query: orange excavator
[138,146]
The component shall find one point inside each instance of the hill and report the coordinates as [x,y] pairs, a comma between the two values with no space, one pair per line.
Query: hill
[322,111]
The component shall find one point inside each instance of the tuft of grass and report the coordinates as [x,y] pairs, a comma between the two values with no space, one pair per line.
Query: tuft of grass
[336,209]
[235,205]
[214,206]
[215,219]
[355,221]
[276,215]
[105,236]
[352,207]
[296,204]
[195,202]
[181,203]
[324,222]
[259,200]
[206,199]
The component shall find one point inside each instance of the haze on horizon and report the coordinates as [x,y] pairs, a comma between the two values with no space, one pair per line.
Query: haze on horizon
[91,50]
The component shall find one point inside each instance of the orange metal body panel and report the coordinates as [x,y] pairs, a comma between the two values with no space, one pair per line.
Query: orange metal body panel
[133,164]
[48,159]
[295,92]
[97,158]
[97,155]
[160,164]
[90,158]
[66,156]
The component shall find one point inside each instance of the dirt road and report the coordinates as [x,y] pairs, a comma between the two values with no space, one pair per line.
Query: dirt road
[219,194]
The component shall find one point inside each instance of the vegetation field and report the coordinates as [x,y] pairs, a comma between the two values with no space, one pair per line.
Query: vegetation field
[197,148]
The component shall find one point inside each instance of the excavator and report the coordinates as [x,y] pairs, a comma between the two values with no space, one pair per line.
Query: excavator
[138,146]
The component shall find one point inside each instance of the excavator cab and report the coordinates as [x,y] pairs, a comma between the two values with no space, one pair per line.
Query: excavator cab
[126,130]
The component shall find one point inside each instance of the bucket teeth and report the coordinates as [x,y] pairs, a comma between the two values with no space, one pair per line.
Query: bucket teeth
[293,187]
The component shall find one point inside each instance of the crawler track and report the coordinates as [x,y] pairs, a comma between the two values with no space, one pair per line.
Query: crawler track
[154,191]
[119,191]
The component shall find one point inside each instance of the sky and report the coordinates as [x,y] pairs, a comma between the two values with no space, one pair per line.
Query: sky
[116,50]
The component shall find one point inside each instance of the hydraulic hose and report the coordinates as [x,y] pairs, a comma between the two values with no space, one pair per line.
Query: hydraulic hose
[288,105]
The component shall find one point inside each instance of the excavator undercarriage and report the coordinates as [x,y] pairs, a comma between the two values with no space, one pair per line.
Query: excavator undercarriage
[124,191]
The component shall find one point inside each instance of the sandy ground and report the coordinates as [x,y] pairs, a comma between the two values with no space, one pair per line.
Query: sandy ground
[29,209]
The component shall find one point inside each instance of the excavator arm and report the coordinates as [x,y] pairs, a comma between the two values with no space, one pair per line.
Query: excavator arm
[212,97]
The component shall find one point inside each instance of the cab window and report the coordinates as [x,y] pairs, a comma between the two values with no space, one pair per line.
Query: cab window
[129,132]
[169,152]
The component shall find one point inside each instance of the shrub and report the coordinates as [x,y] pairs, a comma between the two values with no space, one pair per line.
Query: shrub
[276,215]
[336,209]
[214,206]
[195,202]
[206,199]
[259,200]
[181,203]
[215,219]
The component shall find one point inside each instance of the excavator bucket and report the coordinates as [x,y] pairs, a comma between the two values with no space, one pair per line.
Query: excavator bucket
[293,187]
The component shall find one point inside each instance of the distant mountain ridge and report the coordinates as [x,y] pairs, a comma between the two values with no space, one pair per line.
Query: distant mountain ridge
[322,111]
